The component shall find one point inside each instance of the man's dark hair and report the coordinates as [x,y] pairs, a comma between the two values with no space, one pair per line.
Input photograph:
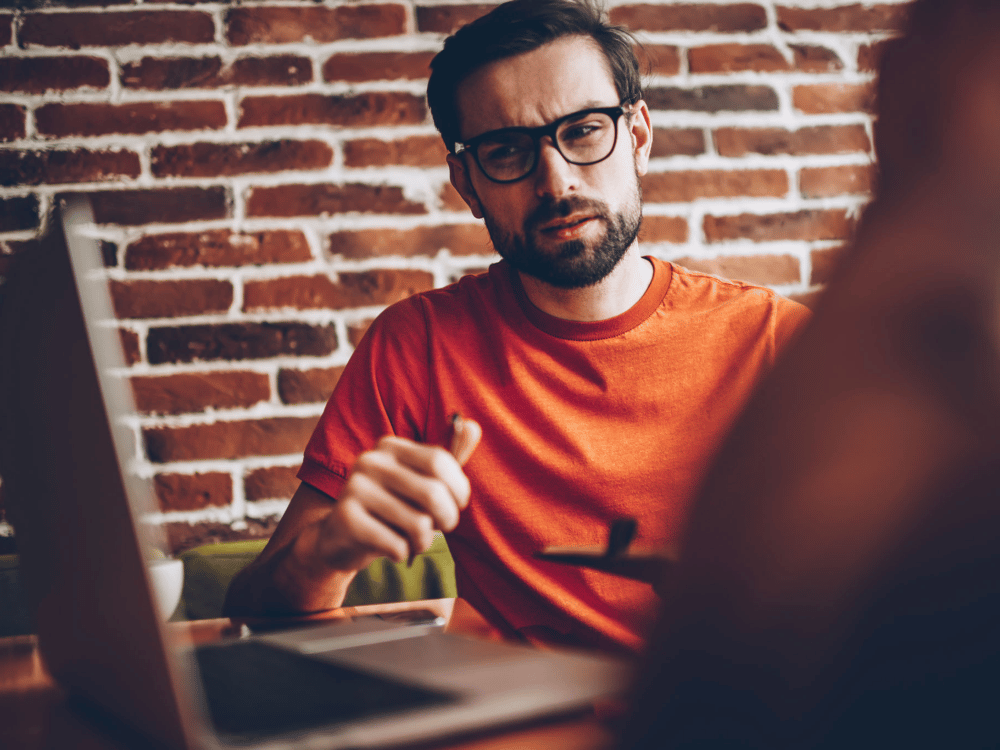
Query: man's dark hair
[521,26]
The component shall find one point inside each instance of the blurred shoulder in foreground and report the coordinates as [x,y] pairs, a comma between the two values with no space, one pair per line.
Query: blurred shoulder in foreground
[840,580]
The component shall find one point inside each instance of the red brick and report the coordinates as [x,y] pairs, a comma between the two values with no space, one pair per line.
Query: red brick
[824,263]
[6,36]
[168,299]
[116,29]
[319,200]
[766,270]
[184,536]
[307,386]
[868,18]
[450,199]
[822,182]
[350,110]
[162,206]
[729,58]
[814,59]
[208,72]
[447,19]
[802,225]
[55,167]
[415,151]
[377,66]
[85,3]
[18,213]
[229,440]
[134,118]
[870,56]
[357,330]
[354,289]
[677,142]
[238,341]
[733,98]
[177,492]
[659,59]
[282,25]
[828,98]
[36,75]
[216,248]
[271,483]
[458,239]
[663,229]
[822,139]
[680,187]
[130,346]
[691,17]
[196,391]
[11,122]
[226,159]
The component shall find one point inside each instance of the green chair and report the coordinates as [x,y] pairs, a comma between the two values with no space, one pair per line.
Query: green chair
[209,569]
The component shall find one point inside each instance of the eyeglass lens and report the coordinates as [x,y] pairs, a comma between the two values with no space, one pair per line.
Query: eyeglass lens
[583,140]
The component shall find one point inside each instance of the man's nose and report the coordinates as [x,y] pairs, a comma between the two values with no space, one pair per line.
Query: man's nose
[554,176]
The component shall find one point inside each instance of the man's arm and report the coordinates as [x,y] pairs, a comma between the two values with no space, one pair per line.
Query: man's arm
[395,497]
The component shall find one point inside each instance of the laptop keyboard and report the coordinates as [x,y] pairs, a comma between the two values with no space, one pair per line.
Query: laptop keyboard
[254,690]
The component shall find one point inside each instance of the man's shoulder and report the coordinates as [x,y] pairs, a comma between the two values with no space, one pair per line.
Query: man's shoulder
[473,291]
[702,290]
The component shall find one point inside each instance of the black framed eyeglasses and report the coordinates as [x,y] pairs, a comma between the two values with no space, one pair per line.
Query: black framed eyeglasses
[511,154]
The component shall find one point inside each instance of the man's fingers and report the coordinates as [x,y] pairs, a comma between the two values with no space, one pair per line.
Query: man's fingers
[467,433]
[413,525]
[427,476]
[352,537]
[395,497]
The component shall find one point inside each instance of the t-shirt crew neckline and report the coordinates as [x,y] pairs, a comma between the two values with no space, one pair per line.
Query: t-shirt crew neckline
[577,330]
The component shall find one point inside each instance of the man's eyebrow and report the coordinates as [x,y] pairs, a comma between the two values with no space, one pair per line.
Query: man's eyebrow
[590,104]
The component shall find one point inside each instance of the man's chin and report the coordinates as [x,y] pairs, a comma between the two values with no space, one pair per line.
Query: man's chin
[573,267]
[558,249]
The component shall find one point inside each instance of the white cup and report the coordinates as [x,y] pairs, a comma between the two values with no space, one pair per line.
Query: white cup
[167,578]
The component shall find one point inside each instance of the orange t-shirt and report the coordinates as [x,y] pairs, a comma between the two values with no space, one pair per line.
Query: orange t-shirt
[583,422]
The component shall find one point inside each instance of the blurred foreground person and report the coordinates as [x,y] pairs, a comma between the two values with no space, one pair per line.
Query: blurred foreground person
[840,579]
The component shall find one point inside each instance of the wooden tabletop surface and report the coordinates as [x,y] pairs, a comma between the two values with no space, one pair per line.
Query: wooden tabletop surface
[36,714]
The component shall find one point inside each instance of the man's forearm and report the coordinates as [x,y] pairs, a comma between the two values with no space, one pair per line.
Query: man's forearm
[283,584]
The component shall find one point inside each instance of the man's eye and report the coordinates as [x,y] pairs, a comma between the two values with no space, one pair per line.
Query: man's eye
[582,131]
[502,152]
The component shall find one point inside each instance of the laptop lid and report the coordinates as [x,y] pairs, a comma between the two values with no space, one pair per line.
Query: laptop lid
[81,550]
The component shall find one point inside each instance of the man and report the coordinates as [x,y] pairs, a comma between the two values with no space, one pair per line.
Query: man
[601,379]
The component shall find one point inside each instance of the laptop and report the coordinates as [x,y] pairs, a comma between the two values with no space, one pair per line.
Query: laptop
[77,509]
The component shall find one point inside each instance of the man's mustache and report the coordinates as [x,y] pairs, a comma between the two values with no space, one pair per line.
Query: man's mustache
[559,209]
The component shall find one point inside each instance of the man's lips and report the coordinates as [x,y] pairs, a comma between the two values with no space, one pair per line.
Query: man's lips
[566,227]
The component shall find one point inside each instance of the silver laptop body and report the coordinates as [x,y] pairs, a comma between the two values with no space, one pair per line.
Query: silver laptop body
[75,508]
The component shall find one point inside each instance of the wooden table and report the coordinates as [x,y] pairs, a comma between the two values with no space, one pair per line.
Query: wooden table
[36,714]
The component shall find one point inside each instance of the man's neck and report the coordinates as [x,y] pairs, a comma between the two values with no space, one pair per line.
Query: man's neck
[611,296]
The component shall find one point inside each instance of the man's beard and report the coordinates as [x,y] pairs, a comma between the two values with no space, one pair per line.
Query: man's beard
[570,266]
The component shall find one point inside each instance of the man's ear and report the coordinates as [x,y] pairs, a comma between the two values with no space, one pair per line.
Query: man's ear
[641,133]
[463,184]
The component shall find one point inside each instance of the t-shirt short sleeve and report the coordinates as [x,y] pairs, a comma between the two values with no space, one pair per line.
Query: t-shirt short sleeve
[382,391]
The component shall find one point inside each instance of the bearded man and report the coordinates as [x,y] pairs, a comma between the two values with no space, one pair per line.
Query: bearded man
[602,380]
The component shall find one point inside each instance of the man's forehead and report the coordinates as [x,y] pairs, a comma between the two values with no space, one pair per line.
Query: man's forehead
[534,88]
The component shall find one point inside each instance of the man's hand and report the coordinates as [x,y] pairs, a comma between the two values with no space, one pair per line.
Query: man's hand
[395,497]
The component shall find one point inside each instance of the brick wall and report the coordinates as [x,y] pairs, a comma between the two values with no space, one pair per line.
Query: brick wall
[267,179]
